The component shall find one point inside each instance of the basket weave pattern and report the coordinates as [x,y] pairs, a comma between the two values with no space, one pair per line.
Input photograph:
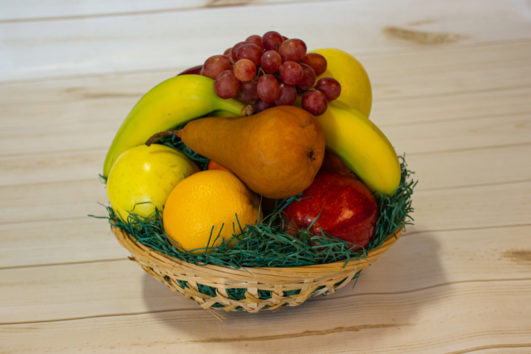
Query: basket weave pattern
[258,288]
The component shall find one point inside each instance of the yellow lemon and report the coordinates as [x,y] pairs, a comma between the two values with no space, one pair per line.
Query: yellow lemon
[207,207]
[142,178]
[356,89]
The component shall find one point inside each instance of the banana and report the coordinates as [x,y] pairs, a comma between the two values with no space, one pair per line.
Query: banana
[170,103]
[362,147]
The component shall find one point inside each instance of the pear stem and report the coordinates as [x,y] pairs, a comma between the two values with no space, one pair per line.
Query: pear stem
[247,110]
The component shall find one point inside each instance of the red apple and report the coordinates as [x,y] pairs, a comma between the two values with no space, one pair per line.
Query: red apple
[343,205]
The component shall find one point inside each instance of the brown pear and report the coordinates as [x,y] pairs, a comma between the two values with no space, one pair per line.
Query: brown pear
[276,152]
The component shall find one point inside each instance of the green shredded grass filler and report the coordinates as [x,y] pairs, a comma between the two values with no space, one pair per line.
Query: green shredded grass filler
[267,244]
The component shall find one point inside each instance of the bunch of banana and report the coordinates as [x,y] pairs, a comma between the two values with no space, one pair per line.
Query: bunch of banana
[167,105]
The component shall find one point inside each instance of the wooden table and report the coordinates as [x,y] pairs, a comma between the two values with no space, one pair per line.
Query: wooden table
[452,90]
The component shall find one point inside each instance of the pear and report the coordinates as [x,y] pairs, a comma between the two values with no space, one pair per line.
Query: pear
[276,152]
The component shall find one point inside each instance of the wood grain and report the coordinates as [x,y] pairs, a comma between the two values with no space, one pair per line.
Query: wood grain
[397,323]
[108,43]
[451,87]
[31,10]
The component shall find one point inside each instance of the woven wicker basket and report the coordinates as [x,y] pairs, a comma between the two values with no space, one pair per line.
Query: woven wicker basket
[257,288]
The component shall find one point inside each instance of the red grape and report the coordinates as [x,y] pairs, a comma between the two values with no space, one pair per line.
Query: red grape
[314,102]
[308,79]
[271,70]
[288,95]
[330,87]
[244,70]
[271,40]
[261,105]
[291,72]
[235,49]
[270,61]
[250,51]
[316,61]
[226,84]
[268,88]
[256,39]
[214,65]
[248,91]
[292,49]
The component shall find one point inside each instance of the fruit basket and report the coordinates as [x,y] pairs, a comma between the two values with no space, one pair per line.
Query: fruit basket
[257,180]
[257,289]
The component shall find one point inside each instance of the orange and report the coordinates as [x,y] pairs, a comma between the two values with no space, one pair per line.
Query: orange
[207,208]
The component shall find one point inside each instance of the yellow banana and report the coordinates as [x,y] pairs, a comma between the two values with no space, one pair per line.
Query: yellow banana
[362,147]
[170,103]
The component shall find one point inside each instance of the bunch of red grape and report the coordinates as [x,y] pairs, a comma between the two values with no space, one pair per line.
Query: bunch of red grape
[272,70]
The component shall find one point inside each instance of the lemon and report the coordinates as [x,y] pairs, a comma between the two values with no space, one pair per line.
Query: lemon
[205,205]
[142,178]
[356,89]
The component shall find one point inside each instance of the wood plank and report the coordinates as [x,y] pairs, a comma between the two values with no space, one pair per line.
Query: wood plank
[31,10]
[110,44]
[50,167]
[469,168]
[432,259]
[492,147]
[81,290]
[482,149]
[486,206]
[57,241]
[452,71]
[450,107]
[451,135]
[445,257]
[483,204]
[45,201]
[395,323]
[428,65]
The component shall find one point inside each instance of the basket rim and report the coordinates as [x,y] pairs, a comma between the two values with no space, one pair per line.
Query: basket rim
[139,250]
